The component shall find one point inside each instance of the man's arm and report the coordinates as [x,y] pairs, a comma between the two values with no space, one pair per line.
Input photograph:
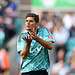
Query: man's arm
[23,45]
[44,43]
[24,53]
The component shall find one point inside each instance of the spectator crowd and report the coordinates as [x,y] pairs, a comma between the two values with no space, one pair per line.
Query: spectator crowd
[60,24]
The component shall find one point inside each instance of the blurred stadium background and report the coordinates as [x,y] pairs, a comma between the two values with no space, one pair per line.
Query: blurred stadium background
[46,9]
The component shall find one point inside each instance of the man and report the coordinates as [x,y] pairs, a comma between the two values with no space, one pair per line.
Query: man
[32,45]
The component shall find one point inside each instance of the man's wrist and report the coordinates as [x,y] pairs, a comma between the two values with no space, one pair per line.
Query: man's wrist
[28,43]
[36,37]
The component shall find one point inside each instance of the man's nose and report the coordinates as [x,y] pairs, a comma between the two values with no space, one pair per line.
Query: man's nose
[28,22]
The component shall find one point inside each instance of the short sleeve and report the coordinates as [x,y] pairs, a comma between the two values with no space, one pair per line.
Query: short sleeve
[20,42]
[46,35]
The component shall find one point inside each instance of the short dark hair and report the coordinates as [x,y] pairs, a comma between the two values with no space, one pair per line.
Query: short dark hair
[36,17]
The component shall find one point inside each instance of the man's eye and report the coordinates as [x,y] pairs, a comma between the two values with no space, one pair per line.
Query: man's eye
[26,20]
[29,21]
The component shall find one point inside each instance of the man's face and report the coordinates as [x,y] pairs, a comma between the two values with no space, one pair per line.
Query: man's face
[30,24]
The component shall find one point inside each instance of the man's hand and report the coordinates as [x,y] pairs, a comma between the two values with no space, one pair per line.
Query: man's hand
[32,34]
[24,53]
[28,39]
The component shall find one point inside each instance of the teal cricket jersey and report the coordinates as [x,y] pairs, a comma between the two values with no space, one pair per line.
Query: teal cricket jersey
[38,55]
